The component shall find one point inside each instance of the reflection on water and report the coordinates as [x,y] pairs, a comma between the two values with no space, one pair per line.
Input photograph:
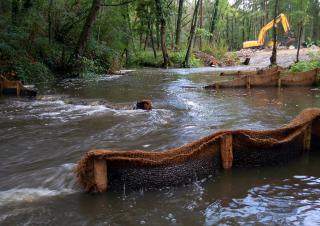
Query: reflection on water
[41,140]
[291,201]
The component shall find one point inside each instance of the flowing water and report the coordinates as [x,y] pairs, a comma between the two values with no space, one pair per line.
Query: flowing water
[41,141]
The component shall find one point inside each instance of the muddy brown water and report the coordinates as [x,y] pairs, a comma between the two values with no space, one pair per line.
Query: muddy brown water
[41,140]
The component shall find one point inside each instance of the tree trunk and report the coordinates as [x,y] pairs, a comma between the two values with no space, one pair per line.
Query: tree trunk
[14,11]
[162,22]
[87,28]
[243,29]
[299,40]
[146,40]
[179,20]
[201,23]
[214,19]
[273,58]
[191,37]
[27,4]
[232,32]
[158,34]
[150,26]
[128,37]
[50,21]
[266,12]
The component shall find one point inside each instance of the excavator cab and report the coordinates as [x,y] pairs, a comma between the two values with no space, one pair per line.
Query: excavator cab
[260,43]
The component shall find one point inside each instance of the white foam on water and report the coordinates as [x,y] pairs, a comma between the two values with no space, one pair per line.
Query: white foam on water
[49,182]
[57,109]
[29,194]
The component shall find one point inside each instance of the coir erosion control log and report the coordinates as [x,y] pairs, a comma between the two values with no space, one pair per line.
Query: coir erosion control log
[101,170]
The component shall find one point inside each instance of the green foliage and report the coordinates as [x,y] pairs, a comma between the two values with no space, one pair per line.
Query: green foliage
[146,59]
[201,32]
[28,68]
[25,46]
[177,59]
[233,56]
[85,65]
[218,50]
[308,65]
[305,66]
[32,73]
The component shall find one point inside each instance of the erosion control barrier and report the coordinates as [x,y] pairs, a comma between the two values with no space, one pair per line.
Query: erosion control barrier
[101,170]
[270,78]
[264,71]
[16,88]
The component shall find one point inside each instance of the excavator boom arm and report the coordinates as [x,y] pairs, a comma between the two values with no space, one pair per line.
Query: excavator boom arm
[281,18]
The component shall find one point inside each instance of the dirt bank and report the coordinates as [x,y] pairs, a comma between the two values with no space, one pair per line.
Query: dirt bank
[285,57]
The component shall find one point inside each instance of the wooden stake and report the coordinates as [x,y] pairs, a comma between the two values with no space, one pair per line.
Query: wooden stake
[1,88]
[279,83]
[307,138]
[226,151]
[100,174]
[18,89]
[248,82]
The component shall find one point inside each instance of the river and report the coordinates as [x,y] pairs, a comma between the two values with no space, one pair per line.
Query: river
[41,140]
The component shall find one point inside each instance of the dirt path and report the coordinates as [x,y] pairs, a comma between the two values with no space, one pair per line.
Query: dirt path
[285,57]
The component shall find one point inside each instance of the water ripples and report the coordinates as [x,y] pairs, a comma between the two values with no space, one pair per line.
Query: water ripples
[296,201]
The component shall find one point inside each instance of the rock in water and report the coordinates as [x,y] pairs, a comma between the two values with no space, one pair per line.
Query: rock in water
[144,105]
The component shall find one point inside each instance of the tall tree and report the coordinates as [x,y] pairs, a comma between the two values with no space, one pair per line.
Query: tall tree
[27,4]
[299,40]
[150,27]
[191,36]
[162,22]
[87,28]
[201,23]
[14,11]
[214,19]
[273,58]
[179,20]
[50,21]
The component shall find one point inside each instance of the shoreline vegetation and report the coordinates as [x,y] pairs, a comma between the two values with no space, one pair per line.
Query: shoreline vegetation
[45,40]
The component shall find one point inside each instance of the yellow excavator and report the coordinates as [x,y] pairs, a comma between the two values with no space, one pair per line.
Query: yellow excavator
[261,39]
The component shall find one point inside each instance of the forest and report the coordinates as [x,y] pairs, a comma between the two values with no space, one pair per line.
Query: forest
[43,40]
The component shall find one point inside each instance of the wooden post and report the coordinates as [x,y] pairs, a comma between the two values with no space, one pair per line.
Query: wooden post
[248,82]
[307,138]
[100,174]
[18,89]
[279,83]
[226,151]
